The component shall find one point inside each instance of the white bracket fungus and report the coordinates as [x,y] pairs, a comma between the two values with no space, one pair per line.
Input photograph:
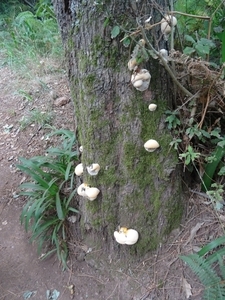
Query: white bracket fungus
[126,236]
[166,24]
[88,192]
[92,193]
[81,190]
[151,145]
[141,80]
[152,107]
[93,169]
[81,148]
[79,169]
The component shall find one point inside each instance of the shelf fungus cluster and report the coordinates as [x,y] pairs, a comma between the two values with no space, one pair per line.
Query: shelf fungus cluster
[91,193]
[166,25]
[126,236]
[140,78]
[84,189]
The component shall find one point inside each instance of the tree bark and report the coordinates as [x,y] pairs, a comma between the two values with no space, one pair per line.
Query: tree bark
[139,189]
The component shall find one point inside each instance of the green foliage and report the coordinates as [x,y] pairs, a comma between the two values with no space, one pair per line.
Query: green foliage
[216,195]
[189,156]
[27,34]
[49,194]
[203,265]
[172,119]
[202,37]
[201,47]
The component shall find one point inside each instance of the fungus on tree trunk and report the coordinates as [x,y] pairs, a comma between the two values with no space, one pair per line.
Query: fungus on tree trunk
[138,190]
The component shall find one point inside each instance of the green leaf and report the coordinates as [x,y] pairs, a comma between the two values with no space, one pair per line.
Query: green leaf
[202,49]
[115,32]
[74,210]
[189,38]
[212,245]
[59,210]
[70,197]
[126,42]
[189,50]
[68,169]
[210,168]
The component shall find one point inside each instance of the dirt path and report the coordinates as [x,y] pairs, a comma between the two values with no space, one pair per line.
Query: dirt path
[159,276]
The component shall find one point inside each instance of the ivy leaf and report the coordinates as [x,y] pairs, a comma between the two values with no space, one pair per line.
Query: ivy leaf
[115,31]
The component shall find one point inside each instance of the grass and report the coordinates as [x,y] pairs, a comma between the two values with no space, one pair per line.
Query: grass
[38,117]
[49,194]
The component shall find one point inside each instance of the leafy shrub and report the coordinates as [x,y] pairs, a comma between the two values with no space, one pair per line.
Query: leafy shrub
[49,193]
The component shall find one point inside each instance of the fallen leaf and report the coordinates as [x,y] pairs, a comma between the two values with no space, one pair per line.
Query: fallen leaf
[187,288]
[194,230]
[28,294]
[54,295]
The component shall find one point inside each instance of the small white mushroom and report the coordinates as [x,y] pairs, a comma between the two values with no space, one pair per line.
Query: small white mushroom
[126,236]
[151,145]
[164,54]
[93,169]
[132,64]
[81,190]
[141,80]
[92,193]
[81,149]
[152,107]
[79,169]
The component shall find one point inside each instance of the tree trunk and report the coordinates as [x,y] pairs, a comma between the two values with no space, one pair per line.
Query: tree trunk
[139,189]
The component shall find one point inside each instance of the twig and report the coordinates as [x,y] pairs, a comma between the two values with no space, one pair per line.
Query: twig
[165,64]
[189,99]
[112,292]
[188,15]
[147,27]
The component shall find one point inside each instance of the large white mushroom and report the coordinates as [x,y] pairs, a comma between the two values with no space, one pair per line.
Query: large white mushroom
[151,145]
[81,190]
[92,193]
[166,24]
[141,79]
[126,236]
[79,169]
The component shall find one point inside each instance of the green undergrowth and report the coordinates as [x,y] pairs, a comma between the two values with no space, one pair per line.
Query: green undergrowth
[208,265]
[49,195]
[27,34]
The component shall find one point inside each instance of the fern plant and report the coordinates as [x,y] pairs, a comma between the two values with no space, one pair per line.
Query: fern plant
[210,268]
[49,194]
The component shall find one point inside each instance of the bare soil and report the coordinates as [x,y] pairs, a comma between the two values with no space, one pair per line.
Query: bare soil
[159,275]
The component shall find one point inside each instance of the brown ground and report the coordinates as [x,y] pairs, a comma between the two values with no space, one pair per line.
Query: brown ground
[160,275]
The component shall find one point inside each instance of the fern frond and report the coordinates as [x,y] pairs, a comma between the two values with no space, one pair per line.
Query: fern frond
[202,269]
[214,284]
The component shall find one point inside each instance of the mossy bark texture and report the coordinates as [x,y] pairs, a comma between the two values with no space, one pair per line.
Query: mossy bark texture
[139,190]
